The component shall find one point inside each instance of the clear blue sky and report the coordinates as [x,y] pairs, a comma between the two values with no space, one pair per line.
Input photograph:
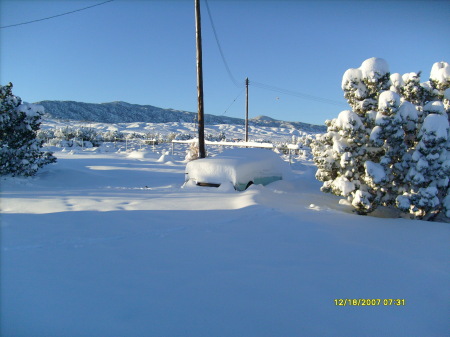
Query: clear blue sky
[143,52]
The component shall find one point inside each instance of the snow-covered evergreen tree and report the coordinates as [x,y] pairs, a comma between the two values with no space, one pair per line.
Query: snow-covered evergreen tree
[411,90]
[410,115]
[363,85]
[20,150]
[430,169]
[440,77]
[396,83]
[436,89]
[393,147]
[446,102]
[335,153]
[427,177]
[341,154]
[386,173]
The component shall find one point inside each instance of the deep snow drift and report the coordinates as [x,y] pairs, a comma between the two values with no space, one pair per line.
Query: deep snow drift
[109,244]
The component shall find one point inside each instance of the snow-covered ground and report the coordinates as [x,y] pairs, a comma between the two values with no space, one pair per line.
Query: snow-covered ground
[110,244]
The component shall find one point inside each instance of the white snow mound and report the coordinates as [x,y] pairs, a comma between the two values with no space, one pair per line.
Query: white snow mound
[238,166]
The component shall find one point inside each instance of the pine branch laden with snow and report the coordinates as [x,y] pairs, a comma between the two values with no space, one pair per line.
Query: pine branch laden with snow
[440,77]
[20,149]
[348,145]
[429,170]
[411,90]
[410,116]
[386,175]
[436,89]
[392,148]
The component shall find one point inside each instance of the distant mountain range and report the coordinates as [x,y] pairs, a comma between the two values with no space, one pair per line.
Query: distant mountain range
[122,112]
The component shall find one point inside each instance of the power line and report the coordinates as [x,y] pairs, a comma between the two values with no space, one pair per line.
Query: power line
[55,16]
[262,85]
[236,83]
[240,93]
[296,94]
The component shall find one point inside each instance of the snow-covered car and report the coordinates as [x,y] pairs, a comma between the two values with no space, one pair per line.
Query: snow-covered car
[240,167]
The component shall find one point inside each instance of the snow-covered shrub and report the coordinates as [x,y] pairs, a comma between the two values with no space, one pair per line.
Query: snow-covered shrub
[429,172]
[387,172]
[410,117]
[440,77]
[396,83]
[45,135]
[436,89]
[135,135]
[411,90]
[178,136]
[73,136]
[20,149]
[362,86]
[446,101]
[220,137]
[193,152]
[112,136]
[342,152]
[88,135]
[392,148]
[66,133]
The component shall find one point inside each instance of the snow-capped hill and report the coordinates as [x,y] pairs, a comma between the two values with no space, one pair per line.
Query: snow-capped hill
[123,112]
[270,122]
[113,112]
[122,103]
[263,118]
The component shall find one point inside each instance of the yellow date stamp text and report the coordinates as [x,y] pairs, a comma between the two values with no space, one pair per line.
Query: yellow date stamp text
[357,302]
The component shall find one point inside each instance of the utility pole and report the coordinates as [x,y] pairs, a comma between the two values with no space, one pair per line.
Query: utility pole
[201,122]
[246,110]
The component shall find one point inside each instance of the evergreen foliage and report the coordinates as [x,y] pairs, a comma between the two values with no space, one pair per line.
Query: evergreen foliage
[392,148]
[20,149]
[429,170]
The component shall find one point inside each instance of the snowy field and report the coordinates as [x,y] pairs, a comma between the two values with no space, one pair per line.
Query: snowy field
[256,133]
[108,243]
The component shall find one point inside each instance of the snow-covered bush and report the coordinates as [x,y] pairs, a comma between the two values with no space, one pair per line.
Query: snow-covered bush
[342,152]
[45,135]
[20,149]
[392,148]
[73,136]
[220,137]
[437,88]
[429,172]
[385,174]
[193,152]
[411,90]
[362,86]
[112,136]
[440,77]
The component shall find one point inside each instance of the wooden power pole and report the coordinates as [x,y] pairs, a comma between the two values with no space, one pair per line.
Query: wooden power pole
[201,122]
[246,110]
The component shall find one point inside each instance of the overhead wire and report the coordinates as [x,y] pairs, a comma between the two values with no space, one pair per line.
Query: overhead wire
[240,93]
[296,94]
[230,74]
[262,85]
[55,16]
